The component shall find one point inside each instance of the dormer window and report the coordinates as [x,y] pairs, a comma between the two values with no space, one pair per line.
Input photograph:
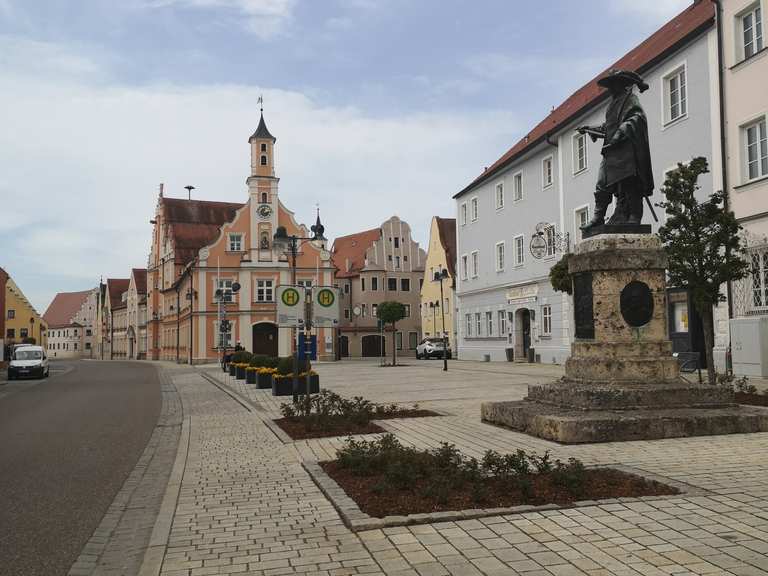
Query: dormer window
[263,147]
[263,159]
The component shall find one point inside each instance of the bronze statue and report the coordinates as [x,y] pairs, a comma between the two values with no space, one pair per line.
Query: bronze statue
[625,171]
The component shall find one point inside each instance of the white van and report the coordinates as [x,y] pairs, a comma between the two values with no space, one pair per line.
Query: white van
[28,361]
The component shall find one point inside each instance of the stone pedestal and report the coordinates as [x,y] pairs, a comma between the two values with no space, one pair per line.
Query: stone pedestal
[621,381]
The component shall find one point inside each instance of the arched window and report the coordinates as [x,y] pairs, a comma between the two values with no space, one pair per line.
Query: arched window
[264,198]
[263,159]
[263,147]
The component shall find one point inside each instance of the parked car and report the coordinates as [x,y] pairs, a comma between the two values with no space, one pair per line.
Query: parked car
[28,361]
[431,348]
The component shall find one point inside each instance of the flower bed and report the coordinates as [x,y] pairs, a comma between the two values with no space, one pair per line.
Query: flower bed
[328,414]
[751,398]
[385,478]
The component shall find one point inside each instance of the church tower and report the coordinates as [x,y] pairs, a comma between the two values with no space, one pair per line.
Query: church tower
[262,190]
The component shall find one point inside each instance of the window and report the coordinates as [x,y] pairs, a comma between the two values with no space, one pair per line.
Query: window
[346,313]
[264,198]
[397,261]
[263,147]
[413,340]
[759,265]
[375,310]
[579,153]
[75,345]
[499,256]
[399,340]
[405,284]
[464,267]
[549,236]
[463,213]
[475,263]
[363,310]
[489,323]
[397,242]
[502,322]
[477,322]
[405,258]
[519,251]
[752,31]
[582,216]
[389,257]
[469,324]
[392,284]
[546,172]
[23,332]
[264,291]
[235,242]
[499,195]
[474,209]
[757,150]
[517,187]
[675,95]
[304,283]
[362,284]
[87,345]
[226,290]
[407,310]
[374,283]
[11,314]
[263,159]
[88,332]
[346,288]
[225,338]
[546,320]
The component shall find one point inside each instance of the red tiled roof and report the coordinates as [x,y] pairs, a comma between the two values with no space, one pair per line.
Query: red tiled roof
[352,249]
[140,277]
[64,307]
[447,229]
[193,224]
[115,288]
[699,15]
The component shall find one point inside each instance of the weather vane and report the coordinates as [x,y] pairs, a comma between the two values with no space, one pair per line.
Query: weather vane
[260,102]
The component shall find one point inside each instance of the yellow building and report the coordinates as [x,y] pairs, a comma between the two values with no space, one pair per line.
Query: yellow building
[22,322]
[437,314]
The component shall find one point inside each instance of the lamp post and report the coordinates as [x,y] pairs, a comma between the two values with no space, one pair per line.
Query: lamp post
[441,275]
[434,318]
[290,246]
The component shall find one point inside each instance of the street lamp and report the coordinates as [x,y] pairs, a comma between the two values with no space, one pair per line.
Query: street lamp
[290,246]
[441,275]
[433,306]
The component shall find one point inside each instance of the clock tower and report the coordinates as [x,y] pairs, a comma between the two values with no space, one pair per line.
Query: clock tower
[262,191]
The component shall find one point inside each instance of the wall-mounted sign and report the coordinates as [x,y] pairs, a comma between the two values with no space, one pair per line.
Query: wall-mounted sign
[290,305]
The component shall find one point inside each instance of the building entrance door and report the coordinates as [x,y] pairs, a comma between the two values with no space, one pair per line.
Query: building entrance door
[373,346]
[522,334]
[344,346]
[265,339]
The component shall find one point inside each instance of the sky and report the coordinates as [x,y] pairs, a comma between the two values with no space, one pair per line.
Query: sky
[380,107]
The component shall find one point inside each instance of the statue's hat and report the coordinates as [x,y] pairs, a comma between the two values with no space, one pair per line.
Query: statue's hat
[616,76]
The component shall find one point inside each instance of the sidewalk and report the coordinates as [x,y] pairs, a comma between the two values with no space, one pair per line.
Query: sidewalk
[247,506]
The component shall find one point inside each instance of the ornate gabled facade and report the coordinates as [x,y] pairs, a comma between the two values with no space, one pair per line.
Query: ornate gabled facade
[136,312]
[200,246]
[437,310]
[376,266]
[70,320]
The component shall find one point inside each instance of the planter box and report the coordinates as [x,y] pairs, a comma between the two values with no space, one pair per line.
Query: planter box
[250,376]
[264,381]
[240,372]
[284,386]
[231,369]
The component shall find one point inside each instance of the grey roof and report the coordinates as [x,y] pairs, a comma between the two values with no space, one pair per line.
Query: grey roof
[262,132]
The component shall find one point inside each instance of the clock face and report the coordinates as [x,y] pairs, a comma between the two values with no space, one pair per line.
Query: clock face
[265,211]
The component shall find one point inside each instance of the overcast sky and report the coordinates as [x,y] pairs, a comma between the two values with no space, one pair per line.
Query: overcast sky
[379,107]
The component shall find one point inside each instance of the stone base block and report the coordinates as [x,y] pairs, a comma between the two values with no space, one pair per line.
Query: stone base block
[577,427]
[630,396]
[629,369]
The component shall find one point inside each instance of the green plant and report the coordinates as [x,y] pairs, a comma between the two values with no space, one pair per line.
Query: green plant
[259,361]
[570,476]
[740,385]
[391,312]
[559,277]
[242,357]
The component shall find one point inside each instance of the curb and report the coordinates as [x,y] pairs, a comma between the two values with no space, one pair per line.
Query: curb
[155,553]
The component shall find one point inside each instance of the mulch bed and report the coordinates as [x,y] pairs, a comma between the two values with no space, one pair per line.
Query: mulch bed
[297,429]
[752,399]
[599,484]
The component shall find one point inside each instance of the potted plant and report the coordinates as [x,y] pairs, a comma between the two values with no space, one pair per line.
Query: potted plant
[265,373]
[282,380]
[250,374]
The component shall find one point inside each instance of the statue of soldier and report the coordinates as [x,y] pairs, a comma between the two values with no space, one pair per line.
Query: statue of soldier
[625,171]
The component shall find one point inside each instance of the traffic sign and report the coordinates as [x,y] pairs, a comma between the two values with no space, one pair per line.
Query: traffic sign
[326,308]
[290,305]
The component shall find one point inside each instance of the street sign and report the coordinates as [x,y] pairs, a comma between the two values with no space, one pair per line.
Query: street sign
[290,306]
[326,306]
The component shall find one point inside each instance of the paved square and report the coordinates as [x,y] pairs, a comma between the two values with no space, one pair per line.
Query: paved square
[247,506]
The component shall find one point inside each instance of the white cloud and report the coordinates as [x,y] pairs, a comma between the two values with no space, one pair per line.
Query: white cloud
[656,10]
[82,160]
[264,18]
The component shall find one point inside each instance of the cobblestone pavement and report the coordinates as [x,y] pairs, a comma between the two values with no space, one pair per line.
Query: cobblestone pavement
[247,506]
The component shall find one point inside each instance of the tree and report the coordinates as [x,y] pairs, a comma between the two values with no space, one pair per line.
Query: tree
[391,313]
[702,243]
[559,277]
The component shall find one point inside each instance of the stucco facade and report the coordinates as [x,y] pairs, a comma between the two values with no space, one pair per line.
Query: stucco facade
[199,247]
[506,305]
[438,311]
[21,320]
[375,266]
[71,321]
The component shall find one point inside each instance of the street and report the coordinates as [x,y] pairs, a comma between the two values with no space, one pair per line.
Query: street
[68,444]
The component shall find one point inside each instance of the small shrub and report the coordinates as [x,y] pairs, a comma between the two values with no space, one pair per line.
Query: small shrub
[570,476]
[740,385]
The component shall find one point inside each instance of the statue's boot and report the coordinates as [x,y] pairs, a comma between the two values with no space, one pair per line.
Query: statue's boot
[598,219]
[620,211]
[635,209]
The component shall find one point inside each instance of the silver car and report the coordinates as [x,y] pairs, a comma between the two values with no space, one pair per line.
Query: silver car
[431,348]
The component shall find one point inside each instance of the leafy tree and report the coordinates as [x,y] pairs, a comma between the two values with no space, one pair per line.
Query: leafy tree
[391,312]
[559,277]
[703,244]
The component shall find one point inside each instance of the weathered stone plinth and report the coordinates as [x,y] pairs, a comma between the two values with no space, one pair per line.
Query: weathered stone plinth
[622,382]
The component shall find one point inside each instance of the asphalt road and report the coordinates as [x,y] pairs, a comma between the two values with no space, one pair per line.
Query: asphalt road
[67,444]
